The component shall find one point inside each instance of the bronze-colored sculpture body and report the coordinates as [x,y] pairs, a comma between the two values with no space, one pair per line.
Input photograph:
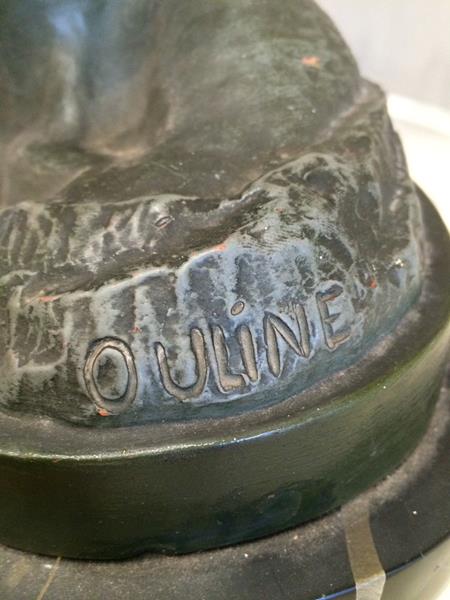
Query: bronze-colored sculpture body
[126,99]
[222,300]
[174,150]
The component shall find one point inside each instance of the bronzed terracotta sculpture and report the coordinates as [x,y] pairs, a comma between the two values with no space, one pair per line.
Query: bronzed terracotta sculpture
[224,305]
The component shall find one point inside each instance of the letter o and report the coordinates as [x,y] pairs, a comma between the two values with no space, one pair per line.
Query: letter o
[123,402]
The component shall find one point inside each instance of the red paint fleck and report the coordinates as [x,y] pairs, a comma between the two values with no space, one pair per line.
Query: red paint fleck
[218,248]
[48,298]
[311,61]
[103,413]
[136,329]
[373,283]
[279,210]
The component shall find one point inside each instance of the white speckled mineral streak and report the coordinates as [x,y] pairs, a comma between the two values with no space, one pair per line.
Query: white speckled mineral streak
[367,570]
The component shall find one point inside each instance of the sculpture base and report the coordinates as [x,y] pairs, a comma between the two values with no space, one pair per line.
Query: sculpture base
[179,488]
[408,517]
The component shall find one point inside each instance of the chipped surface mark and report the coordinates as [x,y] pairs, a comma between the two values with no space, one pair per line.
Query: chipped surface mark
[311,61]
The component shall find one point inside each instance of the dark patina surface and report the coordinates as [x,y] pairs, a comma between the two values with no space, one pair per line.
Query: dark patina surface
[224,306]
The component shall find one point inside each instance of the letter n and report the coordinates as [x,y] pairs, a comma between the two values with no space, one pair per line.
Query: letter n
[275,327]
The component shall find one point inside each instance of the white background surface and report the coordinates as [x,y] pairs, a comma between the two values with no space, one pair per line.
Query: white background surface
[402,44]
[425,131]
